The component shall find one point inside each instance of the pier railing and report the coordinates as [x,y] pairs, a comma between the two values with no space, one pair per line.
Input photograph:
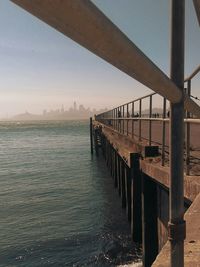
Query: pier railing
[142,120]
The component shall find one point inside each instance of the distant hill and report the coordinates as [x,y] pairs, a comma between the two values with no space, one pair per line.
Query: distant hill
[26,116]
[55,115]
[29,117]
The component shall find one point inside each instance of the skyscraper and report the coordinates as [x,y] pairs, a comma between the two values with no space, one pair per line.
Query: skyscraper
[62,109]
[75,106]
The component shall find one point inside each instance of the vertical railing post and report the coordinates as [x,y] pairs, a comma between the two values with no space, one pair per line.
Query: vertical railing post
[163,131]
[123,117]
[150,115]
[116,122]
[115,119]
[121,127]
[188,133]
[140,121]
[119,122]
[127,115]
[118,119]
[132,130]
[111,116]
[176,212]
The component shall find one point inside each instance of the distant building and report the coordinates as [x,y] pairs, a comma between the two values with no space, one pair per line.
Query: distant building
[62,109]
[81,108]
[75,106]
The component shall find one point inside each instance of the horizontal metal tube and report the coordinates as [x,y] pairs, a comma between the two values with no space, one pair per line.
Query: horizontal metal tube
[195,121]
[194,73]
[84,23]
[191,106]
[197,8]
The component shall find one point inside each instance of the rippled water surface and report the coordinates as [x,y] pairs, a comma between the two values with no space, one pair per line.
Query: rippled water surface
[58,206]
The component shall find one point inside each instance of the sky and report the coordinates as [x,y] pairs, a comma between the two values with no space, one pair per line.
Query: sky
[42,69]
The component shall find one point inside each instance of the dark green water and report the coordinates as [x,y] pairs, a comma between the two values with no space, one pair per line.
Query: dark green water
[58,206]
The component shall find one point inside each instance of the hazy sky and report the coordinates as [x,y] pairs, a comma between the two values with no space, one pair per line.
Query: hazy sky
[42,69]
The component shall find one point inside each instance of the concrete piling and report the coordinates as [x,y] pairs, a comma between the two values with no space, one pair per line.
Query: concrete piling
[119,175]
[115,169]
[149,221]
[123,190]
[91,135]
[128,192]
[136,202]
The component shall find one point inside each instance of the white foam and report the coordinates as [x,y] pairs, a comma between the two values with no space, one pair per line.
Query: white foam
[137,264]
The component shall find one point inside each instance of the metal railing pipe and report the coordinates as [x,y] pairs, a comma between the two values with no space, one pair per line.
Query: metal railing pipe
[132,130]
[150,115]
[123,118]
[194,73]
[163,131]
[140,122]
[187,139]
[84,23]
[176,230]
[127,115]
[197,8]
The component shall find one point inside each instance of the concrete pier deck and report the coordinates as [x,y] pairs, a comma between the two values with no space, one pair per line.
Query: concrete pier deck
[192,241]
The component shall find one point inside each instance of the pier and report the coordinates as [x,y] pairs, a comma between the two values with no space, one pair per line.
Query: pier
[134,142]
[144,151]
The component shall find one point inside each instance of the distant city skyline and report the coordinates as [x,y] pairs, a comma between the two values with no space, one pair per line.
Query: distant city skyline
[75,111]
[75,108]
[41,68]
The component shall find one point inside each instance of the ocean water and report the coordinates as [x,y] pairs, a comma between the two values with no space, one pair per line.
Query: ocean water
[58,206]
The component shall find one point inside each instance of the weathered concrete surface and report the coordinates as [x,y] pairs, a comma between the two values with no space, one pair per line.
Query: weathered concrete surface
[161,175]
[84,23]
[162,215]
[122,144]
[192,241]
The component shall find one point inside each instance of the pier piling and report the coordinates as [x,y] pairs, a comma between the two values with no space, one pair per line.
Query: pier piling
[128,192]
[149,221]
[136,202]
[123,190]
[91,135]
